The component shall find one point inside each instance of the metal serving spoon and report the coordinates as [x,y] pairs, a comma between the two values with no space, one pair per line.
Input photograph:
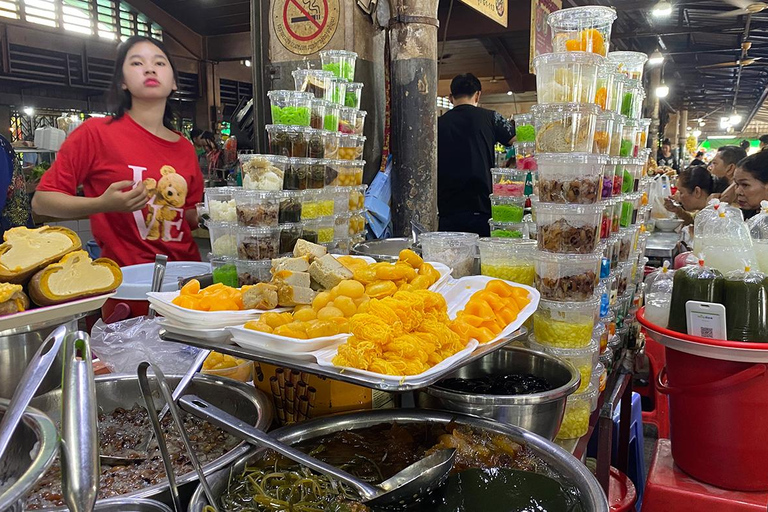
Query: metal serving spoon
[408,486]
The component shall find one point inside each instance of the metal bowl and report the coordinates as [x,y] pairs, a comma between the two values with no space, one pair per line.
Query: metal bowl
[541,413]
[36,434]
[242,400]
[131,505]
[668,225]
[559,460]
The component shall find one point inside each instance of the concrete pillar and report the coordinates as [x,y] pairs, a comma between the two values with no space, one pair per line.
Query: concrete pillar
[210,96]
[682,136]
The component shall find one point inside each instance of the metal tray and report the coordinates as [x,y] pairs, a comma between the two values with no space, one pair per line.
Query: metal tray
[339,374]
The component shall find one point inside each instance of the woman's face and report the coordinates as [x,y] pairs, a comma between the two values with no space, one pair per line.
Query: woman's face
[749,190]
[692,200]
[147,74]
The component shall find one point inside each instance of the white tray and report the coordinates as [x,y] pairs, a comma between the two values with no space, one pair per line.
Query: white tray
[257,349]
[162,302]
[52,313]
[279,344]
[220,335]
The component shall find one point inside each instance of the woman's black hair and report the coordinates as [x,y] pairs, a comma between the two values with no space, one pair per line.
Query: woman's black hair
[696,176]
[120,99]
[756,165]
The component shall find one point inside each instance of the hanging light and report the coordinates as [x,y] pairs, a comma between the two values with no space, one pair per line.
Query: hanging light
[662,9]
[725,122]
[655,58]
[702,122]
[247,63]
[734,118]
[662,91]
[29,111]
[509,93]
[696,133]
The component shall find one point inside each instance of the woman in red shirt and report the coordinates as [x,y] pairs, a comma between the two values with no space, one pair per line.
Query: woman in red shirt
[141,178]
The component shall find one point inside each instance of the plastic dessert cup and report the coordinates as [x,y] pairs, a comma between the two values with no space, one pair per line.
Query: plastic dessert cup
[569,77]
[339,62]
[567,277]
[568,228]
[584,29]
[508,258]
[574,178]
[565,127]
[630,64]
[565,324]
[291,108]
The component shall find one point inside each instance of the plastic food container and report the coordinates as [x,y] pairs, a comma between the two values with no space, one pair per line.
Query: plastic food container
[604,133]
[360,122]
[340,197]
[582,29]
[290,141]
[223,238]
[567,277]
[258,243]
[297,174]
[599,378]
[618,131]
[569,77]
[317,203]
[341,226]
[615,97]
[220,203]
[357,197]
[632,100]
[606,78]
[630,64]
[617,204]
[290,107]
[338,91]
[457,250]
[223,271]
[508,182]
[567,228]
[242,372]
[357,222]
[565,324]
[325,229]
[509,229]
[290,206]
[349,173]
[353,95]
[351,147]
[578,409]
[622,274]
[253,272]
[317,118]
[339,62]
[331,143]
[565,127]
[574,178]
[643,127]
[331,118]
[609,171]
[263,172]
[279,140]
[507,208]
[290,233]
[314,81]
[629,207]
[347,117]
[524,128]
[524,156]
[584,359]
[318,173]
[629,139]
[508,258]
[315,142]
[257,208]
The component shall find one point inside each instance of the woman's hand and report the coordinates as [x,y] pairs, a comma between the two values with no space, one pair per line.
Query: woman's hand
[116,199]
[672,206]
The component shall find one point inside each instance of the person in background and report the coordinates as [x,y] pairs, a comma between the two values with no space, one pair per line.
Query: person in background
[698,159]
[140,177]
[665,157]
[744,144]
[722,167]
[694,185]
[466,136]
[194,136]
[751,180]
[763,142]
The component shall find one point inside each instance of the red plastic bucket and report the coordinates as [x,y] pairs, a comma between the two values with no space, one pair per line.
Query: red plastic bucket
[622,495]
[718,408]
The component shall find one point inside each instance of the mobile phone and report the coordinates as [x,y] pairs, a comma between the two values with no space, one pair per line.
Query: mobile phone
[706,319]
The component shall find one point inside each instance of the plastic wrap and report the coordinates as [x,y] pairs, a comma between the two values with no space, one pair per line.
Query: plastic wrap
[758,229]
[725,242]
[658,295]
[696,282]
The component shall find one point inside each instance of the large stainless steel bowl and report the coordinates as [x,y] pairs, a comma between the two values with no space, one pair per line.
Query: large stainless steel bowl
[242,400]
[30,453]
[131,505]
[541,413]
[559,460]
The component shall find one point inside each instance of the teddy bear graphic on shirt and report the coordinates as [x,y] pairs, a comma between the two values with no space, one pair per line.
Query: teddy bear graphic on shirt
[166,201]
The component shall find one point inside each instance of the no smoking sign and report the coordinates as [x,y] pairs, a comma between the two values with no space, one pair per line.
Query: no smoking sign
[305,26]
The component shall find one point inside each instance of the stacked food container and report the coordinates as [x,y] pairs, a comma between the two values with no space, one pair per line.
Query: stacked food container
[309,186]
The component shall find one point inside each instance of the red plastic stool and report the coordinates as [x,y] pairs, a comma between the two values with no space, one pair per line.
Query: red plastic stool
[659,416]
[669,489]
[622,495]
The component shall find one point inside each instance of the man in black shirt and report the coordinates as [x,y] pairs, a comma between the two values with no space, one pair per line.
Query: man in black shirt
[466,136]
[665,157]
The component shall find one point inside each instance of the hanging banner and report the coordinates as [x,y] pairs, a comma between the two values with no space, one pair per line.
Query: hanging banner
[305,26]
[494,9]
[541,35]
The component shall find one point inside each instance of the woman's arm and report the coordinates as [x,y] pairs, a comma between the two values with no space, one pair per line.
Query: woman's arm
[114,199]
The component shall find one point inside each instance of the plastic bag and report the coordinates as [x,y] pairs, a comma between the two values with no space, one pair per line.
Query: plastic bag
[121,346]
[697,282]
[745,296]
[706,214]
[725,242]
[658,295]
[758,228]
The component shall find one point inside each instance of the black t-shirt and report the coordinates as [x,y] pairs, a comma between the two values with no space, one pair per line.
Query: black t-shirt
[466,136]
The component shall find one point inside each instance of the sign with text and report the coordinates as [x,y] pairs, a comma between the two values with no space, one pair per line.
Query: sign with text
[305,26]
[494,9]
[541,35]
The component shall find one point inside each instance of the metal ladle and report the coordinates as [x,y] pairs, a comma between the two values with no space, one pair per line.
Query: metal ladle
[408,486]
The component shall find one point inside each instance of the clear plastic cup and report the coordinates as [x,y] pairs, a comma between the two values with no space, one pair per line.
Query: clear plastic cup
[584,29]
[583,359]
[507,208]
[331,119]
[524,156]
[279,140]
[565,324]
[223,237]
[630,64]
[615,241]
[314,81]
[353,95]
[309,230]
[341,225]
[331,142]
[310,208]
[349,173]
[525,131]
[604,133]
[360,122]
[347,119]
[616,202]
[317,118]
[629,207]
[291,108]
[566,77]
[573,178]
[515,230]
[578,409]
[357,223]
[568,228]
[567,277]
[508,182]
[341,199]
[290,207]
[339,62]
[220,203]
[565,127]
[609,172]
[263,172]
[622,274]
[290,233]
[615,96]
[224,271]
[318,171]
[315,142]
[457,250]
[508,258]
[643,127]
[357,197]
[257,208]
[351,147]
[326,227]
[253,272]
[618,130]
[599,377]
[606,76]
[633,90]
[297,174]
[258,243]
[338,91]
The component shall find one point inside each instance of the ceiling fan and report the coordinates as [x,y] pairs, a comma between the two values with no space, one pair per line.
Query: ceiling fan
[743,61]
[743,7]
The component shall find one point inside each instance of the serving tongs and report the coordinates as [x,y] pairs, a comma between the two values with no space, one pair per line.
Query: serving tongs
[79,426]
[165,390]
[33,375]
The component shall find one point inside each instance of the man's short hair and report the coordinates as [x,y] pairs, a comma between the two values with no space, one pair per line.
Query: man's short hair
[764,139]
[731,154]
[195,132]
[465,85]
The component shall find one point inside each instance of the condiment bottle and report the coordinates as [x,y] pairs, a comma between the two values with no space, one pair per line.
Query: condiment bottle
[746,310]
[696,282]
[658,296]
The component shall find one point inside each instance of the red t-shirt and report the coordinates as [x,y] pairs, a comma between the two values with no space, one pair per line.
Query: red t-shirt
[103,151]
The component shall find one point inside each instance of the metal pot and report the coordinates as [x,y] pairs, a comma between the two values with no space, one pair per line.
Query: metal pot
[559,460]
[18,346]
[242,400]
[541,413]
[385,249]
[36,434]
[131,505]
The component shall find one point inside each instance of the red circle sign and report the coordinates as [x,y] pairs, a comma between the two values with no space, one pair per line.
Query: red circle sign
[307,14]
[305,26]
